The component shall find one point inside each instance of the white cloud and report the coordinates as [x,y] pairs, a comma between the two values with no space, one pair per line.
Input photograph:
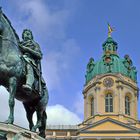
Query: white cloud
[59,63]
[4,96]
[59,115]
[50,27]
[37,15]
[56,114]
[19,112]
[47,25]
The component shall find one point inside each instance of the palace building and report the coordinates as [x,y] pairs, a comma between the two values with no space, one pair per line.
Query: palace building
[110,97]
[110,100]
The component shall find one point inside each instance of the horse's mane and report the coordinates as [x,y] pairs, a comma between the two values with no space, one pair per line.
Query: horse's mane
[14,31]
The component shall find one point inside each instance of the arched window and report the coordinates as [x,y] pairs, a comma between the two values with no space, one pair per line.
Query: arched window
[108,103]
[127,105]
[92,106]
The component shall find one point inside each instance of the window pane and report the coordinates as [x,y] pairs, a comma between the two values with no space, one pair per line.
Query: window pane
[106,101]
[92,106]
[109,103]
[111,108]
[106,109]
[127,105]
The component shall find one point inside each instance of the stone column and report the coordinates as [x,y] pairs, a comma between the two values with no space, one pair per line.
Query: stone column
[68,135]
[121,106]
[10,136]
[97,90]
[85,107]
[136,105]
[54,135]
[88,108]
[117,138]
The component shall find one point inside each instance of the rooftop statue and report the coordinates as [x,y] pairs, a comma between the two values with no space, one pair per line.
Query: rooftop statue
[110,30]
[20,73]
[111,62]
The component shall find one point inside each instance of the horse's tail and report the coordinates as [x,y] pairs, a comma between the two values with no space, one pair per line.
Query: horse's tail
[44,102]
[45,95]
[44,118]
[42,129]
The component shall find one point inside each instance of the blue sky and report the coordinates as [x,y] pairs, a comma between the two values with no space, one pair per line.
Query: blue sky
[69,33]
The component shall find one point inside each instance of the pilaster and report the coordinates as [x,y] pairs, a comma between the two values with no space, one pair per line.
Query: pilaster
[97,90]
[121,106]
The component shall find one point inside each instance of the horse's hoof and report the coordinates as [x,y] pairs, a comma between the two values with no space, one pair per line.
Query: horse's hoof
[33,129]
[9,121]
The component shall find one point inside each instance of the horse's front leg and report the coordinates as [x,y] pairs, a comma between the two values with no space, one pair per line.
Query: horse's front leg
[12,91]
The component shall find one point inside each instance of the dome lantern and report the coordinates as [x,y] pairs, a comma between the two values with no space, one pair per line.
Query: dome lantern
[110,62]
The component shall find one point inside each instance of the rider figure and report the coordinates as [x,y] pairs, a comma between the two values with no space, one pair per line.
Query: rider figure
[32,55]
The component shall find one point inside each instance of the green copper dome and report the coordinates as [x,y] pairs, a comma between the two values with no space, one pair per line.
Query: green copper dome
[111,63]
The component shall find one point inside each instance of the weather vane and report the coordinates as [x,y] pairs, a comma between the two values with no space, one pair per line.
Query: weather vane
[110,30]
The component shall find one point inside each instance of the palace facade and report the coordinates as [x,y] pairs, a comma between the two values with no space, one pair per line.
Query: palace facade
[110,101]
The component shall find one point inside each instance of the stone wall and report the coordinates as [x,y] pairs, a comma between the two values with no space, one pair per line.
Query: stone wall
[13,132]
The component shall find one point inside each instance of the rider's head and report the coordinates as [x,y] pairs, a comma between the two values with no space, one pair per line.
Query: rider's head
[27,34]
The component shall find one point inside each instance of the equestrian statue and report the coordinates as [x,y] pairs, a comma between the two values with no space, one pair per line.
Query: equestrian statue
[21,74]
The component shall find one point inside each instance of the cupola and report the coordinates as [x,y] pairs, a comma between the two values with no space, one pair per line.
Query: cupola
[111,86]
[110,62]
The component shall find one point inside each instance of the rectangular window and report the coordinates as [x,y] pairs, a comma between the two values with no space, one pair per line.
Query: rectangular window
[92,106]
[106,109]
[127,105]
[108,103]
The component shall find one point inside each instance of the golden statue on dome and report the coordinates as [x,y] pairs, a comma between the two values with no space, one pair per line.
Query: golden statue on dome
[110,30]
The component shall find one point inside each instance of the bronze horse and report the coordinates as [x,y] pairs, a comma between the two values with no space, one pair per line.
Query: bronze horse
[12,77]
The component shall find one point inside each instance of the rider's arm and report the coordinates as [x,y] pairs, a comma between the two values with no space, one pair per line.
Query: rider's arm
[36,52]
[22,48]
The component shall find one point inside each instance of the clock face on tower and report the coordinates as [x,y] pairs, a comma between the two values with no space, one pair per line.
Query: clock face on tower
[108,82]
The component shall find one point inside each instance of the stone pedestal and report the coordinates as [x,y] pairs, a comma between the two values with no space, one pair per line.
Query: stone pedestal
[13,132]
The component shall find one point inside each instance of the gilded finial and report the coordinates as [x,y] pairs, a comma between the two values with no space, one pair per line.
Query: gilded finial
[110,30]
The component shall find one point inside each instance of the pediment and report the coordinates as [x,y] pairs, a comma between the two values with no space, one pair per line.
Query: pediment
[109,125]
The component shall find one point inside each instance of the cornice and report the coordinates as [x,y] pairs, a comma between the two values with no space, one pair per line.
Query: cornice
[120,78]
